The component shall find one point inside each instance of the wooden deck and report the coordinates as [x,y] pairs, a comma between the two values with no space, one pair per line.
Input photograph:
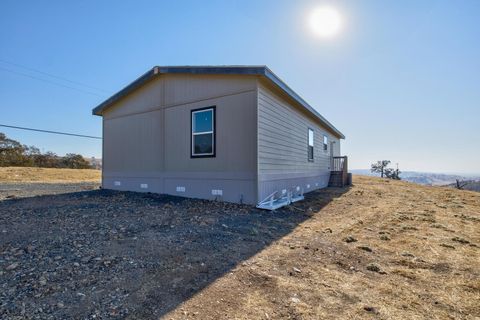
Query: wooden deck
[339,176]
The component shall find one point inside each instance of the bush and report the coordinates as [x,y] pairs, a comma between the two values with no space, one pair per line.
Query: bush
[13,153]
[381,168]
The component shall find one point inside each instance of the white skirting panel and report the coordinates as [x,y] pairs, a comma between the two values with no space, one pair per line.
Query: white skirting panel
[292,183]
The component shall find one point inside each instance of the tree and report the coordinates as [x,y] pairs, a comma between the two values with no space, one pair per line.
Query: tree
[380,166]
[460,184]
[11,152]
[47,160]
[75,161]
[392,173]
[30,153]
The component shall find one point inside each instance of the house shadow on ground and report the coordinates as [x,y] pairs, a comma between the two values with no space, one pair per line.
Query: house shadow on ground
[124,254]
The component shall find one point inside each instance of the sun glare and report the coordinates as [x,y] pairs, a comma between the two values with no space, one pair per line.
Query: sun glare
[326,22]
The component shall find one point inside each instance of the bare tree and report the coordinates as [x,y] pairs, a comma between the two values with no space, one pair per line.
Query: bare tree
[460,184]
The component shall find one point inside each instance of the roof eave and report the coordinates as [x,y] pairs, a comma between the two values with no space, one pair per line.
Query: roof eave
[236,70]
[284,87]
[147,76]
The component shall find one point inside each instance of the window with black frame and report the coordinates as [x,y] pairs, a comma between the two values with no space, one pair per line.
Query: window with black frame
[203,132]
[310,145]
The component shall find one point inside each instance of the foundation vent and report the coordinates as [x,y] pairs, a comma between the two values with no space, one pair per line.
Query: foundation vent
[217,192]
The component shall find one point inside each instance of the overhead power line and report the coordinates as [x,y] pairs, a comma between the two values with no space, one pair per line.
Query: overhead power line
[53,132]
[51,82]
[52,75]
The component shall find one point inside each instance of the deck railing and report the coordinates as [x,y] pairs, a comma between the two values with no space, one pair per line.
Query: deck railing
[339,172]
[340,164]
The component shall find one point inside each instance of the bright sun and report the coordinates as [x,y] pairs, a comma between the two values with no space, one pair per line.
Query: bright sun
[325,21]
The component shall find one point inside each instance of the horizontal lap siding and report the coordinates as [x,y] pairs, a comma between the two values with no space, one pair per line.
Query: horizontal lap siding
[283,137]
[283,147]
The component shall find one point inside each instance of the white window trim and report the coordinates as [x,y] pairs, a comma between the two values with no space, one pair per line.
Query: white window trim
[323,145]
[203,132]
[313,144]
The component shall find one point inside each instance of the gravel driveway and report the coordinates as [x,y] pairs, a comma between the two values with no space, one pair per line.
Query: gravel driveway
[107,254]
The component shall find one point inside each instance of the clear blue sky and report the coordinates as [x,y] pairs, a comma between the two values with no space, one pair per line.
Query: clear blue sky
[401,80]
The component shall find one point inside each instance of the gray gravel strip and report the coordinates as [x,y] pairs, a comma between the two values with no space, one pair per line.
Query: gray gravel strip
[100,254]
[20,190]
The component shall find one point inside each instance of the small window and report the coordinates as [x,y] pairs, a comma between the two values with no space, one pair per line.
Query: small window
[203,132]
[325,144]
[310,145]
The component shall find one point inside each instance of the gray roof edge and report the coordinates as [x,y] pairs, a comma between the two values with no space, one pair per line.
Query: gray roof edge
[126,90]
[247,70]
[234,70]
[230,69]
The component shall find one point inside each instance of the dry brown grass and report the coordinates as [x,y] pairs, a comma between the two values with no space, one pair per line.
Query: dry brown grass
[48,175]
[425,240]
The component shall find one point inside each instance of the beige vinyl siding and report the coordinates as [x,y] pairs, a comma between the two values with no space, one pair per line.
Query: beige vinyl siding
[147,138]
[235,135]
[123,152]
[149,97]
[283,137]
[261,140]
[186,88]
[171,90]
[282,145]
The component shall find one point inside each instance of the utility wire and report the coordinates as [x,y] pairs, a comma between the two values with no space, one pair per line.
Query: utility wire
[54,132]
[51,82]
[52,75]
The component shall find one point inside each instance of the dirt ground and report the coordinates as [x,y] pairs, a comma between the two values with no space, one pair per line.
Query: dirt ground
[378,250]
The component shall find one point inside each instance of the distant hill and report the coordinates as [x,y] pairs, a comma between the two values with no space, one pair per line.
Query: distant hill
[424,178]
[470,185]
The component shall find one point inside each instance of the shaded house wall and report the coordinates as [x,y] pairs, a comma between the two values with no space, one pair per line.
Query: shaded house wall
[147,138]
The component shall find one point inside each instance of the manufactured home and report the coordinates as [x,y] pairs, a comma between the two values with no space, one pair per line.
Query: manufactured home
[229,133]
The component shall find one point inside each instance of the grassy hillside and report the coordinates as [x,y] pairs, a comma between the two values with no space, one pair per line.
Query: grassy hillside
[51,175]
[382,250]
